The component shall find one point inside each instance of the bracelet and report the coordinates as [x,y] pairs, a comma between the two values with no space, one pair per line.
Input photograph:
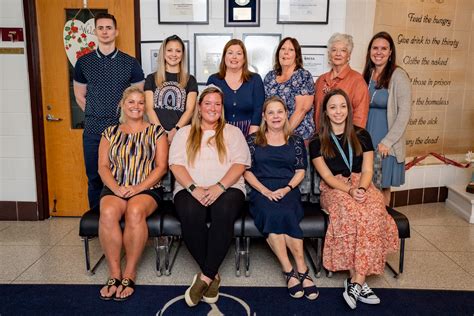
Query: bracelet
[191,187]
[290,186]
[221,186]
[177,127]
[362,188]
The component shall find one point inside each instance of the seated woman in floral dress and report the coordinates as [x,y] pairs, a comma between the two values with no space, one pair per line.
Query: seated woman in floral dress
[360,231]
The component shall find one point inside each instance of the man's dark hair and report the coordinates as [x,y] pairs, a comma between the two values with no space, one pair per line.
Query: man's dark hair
[104,15]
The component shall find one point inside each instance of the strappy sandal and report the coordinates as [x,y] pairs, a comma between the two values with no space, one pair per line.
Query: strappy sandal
[126,282]
[297,290]
[110,282]
[311,292]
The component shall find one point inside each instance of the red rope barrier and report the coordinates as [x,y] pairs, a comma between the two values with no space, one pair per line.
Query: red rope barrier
[447,161]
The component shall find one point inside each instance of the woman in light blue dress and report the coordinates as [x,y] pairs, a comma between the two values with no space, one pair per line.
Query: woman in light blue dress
[389,112]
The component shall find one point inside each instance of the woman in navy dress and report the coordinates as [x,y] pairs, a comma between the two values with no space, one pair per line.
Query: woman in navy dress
[278,167]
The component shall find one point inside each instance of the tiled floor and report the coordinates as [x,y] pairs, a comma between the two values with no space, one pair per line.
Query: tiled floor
[439,255]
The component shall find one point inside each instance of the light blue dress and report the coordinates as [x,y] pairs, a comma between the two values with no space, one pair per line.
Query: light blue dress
[393,173]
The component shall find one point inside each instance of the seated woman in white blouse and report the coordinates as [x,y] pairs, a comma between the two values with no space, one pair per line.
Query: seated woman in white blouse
[208,159]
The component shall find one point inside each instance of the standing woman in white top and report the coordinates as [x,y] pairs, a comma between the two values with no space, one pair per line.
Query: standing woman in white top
[208,159]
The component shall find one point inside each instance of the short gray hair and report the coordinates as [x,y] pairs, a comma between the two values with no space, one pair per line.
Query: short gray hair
[340,37]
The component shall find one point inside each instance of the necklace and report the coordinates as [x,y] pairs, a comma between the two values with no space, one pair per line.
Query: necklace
[375,88]
[347,160]
[328,86]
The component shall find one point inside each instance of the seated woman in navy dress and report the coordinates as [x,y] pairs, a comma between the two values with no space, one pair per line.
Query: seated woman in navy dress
[278,167]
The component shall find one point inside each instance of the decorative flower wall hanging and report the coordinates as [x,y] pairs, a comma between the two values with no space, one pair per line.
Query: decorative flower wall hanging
[79,39]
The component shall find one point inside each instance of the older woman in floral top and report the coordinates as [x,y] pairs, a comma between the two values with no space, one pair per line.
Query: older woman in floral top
[294,85]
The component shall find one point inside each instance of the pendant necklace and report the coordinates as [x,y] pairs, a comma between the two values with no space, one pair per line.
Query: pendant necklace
[375,88]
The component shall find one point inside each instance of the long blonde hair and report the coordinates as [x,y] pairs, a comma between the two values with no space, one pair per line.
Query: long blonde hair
[193,145]
[160,75]
[260,138]
[130,90]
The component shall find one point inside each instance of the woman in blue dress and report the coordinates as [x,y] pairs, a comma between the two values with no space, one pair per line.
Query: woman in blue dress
[243,90]
[278,167]
[389,112]
[291,82]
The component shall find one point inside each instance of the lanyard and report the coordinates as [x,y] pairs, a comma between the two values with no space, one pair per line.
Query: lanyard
[348,163]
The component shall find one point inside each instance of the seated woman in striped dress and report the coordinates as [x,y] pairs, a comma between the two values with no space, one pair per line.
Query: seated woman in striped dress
[133,158]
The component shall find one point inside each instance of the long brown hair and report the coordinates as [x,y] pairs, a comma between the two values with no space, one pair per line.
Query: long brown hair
[160,75]
[325,129]
[298,59]
[386,75]
[246,74]
[260,138]
[193,145]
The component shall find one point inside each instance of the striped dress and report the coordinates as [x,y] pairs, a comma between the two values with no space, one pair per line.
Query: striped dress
[132,156]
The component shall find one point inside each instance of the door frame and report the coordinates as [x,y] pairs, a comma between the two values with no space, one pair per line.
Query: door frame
[36,99]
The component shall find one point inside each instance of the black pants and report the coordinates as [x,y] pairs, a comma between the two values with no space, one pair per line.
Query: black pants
[91,158]
[209,245]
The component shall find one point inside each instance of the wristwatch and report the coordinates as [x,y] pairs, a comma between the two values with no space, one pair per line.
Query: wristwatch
[177,127]
[191,188]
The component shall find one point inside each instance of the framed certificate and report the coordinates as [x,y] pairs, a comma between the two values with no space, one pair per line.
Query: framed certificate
[260,51]
[303,12]
[207,54]
[242,13]
[315,59]
[183,11]
[150,50]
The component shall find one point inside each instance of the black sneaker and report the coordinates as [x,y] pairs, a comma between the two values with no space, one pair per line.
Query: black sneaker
[368,296]
[351,293]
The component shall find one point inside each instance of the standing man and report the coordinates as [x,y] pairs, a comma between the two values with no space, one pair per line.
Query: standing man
[100,78]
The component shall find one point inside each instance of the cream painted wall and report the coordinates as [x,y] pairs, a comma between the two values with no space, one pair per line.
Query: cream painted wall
[17,177]
[17,170]
[306,34]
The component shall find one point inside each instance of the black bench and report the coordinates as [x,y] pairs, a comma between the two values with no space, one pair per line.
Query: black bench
[313,225]
[165,230]
[89,229]
[403,226]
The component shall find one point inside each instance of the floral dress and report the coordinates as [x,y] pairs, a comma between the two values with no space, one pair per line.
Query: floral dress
[359,235]
[300,83]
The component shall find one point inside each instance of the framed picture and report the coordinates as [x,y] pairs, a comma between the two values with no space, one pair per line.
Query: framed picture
[242,13]
[260,51]
[303,12]
[207,54]
[150,50]
[315,59]
[183,11]
[201,87]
